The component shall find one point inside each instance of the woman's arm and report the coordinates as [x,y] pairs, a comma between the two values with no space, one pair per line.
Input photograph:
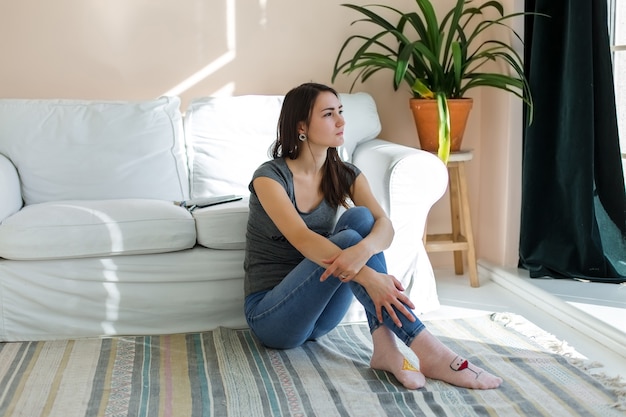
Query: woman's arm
[385,290]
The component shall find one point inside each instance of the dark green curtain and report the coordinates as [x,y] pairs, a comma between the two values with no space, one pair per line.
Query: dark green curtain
[573,220]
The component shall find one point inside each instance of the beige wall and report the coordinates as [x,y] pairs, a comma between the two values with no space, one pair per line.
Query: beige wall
[138,49]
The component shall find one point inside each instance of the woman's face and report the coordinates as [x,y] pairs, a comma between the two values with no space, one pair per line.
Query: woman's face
[326,122]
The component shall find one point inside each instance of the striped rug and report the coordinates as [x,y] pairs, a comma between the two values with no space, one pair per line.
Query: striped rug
[227,373]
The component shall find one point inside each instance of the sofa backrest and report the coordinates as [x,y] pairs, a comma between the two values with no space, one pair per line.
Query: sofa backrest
[83,150]
[101,150]
[229,137]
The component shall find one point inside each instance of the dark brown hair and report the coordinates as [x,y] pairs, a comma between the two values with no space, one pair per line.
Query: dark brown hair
[297,106]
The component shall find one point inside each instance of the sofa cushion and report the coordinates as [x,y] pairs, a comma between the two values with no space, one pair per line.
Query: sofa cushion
[222,226]
[70,229]
[95,150]
[229,137]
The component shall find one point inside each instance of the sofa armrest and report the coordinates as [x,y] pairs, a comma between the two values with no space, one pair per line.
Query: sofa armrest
[407,182]
[10,194]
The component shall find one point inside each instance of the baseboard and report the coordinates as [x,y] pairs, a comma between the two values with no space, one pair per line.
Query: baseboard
[590,326]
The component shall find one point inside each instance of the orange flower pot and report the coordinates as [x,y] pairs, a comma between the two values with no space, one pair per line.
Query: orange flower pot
[426,117]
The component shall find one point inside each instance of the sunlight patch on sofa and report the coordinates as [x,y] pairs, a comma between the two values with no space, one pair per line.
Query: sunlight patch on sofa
[112,226]
[112,303]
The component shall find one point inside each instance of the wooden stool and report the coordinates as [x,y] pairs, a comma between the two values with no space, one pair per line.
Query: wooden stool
[461,239]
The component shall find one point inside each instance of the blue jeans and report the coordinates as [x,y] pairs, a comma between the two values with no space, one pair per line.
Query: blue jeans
[302,308]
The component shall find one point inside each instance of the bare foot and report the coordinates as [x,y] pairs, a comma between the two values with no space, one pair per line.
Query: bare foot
[437,361]
[409,376]
[387,357]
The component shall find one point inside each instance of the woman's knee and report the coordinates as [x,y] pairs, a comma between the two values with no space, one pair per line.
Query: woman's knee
[346,238]
[358,211]
[358,218]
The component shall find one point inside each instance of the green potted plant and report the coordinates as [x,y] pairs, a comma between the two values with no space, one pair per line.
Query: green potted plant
[439,60]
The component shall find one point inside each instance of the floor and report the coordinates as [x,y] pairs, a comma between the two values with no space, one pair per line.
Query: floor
[590,317]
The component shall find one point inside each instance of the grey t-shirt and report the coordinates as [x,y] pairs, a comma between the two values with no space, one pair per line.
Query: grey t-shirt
[269,256]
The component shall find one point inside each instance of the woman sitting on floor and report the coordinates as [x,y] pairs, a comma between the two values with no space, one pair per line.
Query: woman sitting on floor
[302,273]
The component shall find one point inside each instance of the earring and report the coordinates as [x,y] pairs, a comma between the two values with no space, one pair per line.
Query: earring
[302,137]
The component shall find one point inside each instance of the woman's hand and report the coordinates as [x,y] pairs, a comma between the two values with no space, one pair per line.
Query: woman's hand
[386,292]
[346,265]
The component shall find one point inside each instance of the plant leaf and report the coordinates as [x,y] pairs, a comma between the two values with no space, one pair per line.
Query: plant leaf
[422,90]
[444,128]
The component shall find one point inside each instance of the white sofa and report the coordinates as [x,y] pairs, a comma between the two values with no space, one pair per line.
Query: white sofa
[91,243]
